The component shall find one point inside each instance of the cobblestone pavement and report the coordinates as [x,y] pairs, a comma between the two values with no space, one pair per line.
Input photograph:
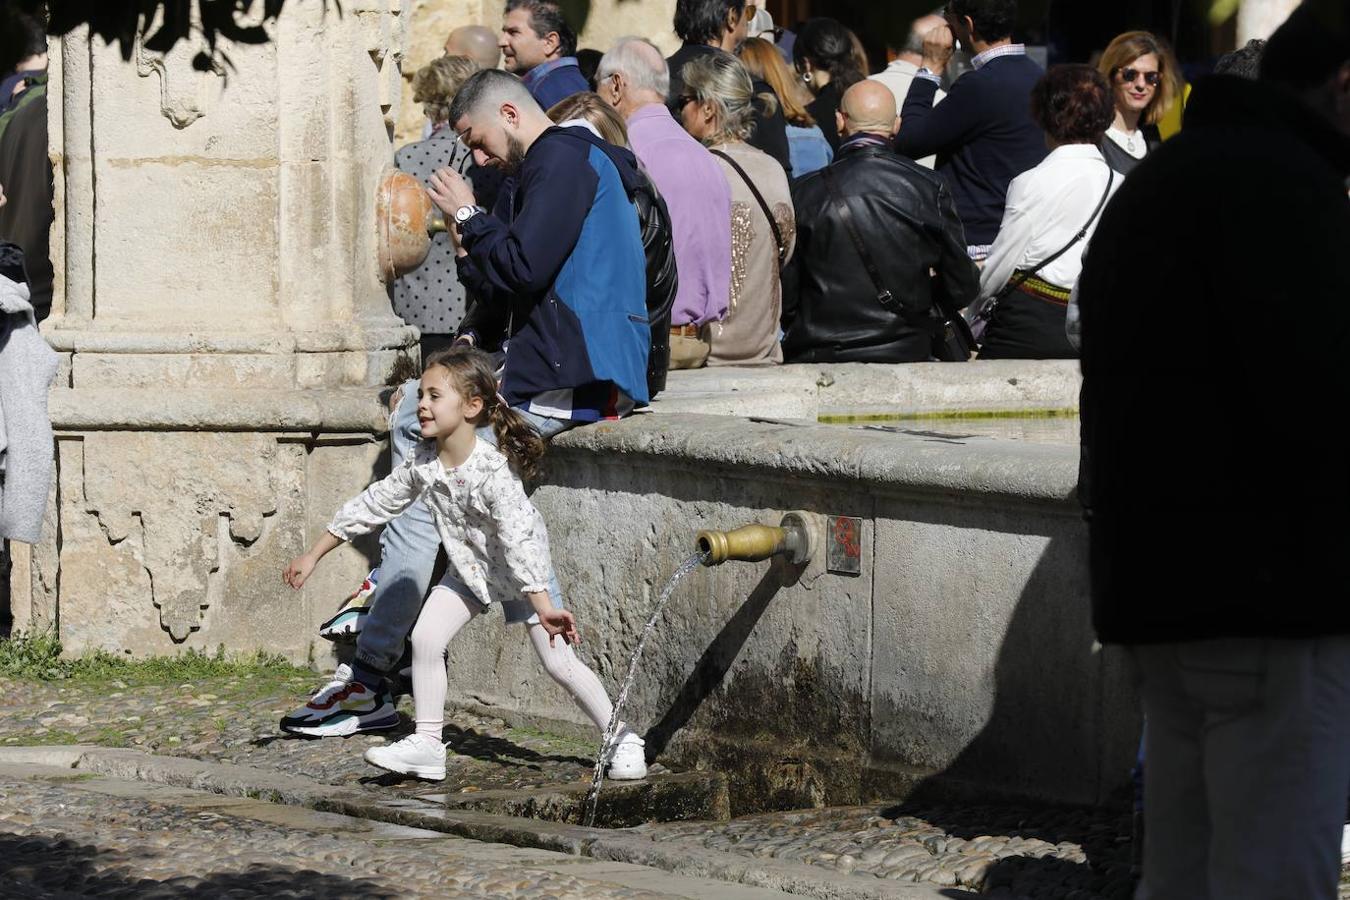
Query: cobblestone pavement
[999,851]
[1002,851]
[76,836]
[235,720]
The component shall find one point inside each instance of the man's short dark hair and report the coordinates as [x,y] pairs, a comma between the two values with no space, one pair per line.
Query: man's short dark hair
[1310,46]
[484,86]
[994,19]
[546,16]
[1244,62]
[702,21]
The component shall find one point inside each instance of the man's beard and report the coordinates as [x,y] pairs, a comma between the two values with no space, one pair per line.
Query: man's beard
[515,155]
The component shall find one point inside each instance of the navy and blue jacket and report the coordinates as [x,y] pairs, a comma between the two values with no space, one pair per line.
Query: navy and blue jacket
[983,135]
[561,259]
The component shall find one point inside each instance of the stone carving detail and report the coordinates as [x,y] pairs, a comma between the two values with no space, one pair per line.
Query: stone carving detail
[180,519]
[184,92]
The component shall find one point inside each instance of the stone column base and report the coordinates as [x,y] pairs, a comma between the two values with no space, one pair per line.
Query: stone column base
[173,513]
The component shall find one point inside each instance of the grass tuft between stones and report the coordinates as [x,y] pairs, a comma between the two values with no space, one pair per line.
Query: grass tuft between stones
[37,656]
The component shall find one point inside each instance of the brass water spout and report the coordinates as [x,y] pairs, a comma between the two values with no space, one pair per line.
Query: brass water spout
[751,543]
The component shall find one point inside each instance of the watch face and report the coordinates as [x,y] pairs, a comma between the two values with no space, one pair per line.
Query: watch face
[464,213]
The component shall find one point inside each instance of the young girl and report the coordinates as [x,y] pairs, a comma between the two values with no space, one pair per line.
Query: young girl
[497,545]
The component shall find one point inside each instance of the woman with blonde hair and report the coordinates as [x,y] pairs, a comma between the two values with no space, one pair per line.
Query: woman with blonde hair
[1145,81]
[807,146]
[431,296]
[716,108]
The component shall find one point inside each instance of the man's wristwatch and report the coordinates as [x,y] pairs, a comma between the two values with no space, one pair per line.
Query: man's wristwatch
[465,213]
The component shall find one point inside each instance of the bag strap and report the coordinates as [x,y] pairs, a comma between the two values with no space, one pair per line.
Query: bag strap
[763,206]
[884,296]
[1082,232]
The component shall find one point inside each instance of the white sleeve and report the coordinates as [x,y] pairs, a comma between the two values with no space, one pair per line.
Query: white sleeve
[520,529]
[377,504]
[1014,236]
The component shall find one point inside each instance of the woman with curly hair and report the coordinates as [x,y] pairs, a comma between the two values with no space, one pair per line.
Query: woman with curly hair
[1049,218]
[1145,81]
[825,59]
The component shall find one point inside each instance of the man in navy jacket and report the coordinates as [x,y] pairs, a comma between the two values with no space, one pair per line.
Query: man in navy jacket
[538,45]
[565,262]
[982,132]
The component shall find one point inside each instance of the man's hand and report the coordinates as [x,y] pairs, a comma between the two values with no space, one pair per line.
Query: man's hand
[938,45]
[3,201]
[449,191]
[560,622]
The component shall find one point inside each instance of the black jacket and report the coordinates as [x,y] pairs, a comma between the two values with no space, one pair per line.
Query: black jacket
[1216,505]
[770,132]
[905,216]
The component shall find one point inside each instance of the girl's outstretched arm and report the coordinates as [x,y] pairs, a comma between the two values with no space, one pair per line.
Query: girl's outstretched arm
[299,569]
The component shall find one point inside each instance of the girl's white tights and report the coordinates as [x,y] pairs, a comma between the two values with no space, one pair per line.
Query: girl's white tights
[443,615]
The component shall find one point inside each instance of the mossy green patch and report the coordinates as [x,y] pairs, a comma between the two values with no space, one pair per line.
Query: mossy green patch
[36,656]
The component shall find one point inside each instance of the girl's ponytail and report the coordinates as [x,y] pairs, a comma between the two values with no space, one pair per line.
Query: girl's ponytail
[472,373]
[521,444]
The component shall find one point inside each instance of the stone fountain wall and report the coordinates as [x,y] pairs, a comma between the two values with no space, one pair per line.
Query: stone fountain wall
[960,659]
[222,327]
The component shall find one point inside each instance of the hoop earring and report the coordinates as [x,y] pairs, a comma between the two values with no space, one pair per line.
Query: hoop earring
[806,77]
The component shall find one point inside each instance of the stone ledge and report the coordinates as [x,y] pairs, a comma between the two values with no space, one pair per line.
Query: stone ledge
[807,390]
[930,463]
[354,410]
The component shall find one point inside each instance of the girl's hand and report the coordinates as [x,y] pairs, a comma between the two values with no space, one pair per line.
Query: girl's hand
[560,622]
[298,571]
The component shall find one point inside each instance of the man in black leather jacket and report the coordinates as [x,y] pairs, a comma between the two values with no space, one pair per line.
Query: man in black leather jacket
[834,310]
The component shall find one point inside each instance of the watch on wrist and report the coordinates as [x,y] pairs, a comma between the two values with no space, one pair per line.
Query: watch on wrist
[465,213]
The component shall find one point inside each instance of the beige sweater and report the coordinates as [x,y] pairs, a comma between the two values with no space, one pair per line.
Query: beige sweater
[749,333]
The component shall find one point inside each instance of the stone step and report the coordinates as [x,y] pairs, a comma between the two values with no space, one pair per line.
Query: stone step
[618,846]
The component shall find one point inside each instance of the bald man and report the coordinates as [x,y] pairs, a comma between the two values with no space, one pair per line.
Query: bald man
[477,42]
[882,301]
[899,75]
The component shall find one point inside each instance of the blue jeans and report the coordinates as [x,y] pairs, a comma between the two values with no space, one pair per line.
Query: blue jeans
[408,548]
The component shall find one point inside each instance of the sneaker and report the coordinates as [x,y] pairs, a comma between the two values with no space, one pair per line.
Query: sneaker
[417,755]
[627,759]
[349,621]
[1345,845]
[342,707]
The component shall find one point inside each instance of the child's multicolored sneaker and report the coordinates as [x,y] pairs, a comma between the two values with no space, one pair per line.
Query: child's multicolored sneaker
[349,621]
[343,707]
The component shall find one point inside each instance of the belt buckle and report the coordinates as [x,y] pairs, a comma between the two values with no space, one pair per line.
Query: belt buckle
[887,300]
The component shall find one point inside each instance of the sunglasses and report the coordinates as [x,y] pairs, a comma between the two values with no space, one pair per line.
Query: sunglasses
[1129,76]
[685,99]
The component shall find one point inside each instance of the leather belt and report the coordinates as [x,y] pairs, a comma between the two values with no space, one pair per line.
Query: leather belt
[689,330]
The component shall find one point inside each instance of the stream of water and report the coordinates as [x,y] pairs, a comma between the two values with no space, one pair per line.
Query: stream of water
[593,795]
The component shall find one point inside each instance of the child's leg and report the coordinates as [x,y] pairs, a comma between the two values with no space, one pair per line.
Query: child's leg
[574,675]
[443,615]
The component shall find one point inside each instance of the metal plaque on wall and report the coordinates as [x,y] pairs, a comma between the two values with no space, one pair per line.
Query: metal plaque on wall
[843,554]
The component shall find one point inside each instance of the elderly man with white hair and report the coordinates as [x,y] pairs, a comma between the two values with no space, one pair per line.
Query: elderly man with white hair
[633,78]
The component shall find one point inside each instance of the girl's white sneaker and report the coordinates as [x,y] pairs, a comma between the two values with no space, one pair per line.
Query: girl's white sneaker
[627,759]
[417,755]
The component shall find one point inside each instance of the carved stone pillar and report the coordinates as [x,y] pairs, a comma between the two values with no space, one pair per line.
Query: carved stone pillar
[223,327]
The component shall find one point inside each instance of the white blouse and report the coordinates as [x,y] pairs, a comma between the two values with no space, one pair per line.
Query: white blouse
[492,533]
[1046,206]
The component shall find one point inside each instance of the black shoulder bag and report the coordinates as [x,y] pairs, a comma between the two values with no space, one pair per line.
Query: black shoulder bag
[764,207]
[981,316]
[952,340]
